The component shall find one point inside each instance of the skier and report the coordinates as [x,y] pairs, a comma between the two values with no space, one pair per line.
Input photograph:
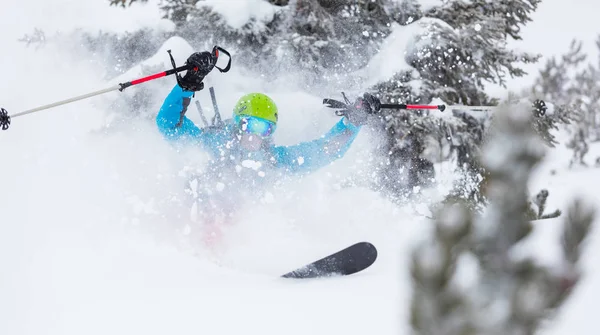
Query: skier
[244,158]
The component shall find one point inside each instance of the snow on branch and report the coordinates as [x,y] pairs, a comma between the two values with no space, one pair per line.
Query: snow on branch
[573,84]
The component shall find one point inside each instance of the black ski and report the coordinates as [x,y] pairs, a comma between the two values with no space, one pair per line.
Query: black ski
[350,260]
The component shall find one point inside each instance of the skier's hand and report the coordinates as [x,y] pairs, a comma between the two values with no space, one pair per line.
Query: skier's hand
[358,114]
[202,63]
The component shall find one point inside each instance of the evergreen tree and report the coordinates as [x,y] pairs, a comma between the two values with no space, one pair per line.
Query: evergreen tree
[462,48]
[175,10]
[573,83]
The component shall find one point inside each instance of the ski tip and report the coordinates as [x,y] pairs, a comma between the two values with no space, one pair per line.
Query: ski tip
[368,250]
[352,259]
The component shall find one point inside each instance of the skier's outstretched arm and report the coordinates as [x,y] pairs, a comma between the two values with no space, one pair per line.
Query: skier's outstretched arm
[171,119]
[309,156]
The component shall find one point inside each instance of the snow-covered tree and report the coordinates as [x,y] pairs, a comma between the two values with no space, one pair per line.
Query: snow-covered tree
[318,36]
[556,77]
[175,10]
[461,46]
[464,45]
[572,83]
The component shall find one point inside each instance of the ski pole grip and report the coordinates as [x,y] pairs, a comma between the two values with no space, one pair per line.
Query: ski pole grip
[4,119]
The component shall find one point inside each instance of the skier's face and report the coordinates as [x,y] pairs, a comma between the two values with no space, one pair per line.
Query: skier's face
[254,131]
[251,142]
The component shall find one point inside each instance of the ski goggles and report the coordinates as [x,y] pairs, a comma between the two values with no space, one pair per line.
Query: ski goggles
[254,125]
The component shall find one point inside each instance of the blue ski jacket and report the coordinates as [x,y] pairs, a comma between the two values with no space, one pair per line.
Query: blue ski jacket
[304,157]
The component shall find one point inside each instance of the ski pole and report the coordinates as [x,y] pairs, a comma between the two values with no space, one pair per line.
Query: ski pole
[441,108]
[5,118]
[332,103]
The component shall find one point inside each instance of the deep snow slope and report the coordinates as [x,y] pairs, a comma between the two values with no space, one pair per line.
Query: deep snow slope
[90,221]
[89,239]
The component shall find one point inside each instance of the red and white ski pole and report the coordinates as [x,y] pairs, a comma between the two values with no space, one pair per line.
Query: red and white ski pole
[538,105]
[342,106]
[5,118]
[441,108]
[336,104]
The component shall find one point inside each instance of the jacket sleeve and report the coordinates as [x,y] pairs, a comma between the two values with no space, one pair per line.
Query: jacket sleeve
[171,119]
[309,156]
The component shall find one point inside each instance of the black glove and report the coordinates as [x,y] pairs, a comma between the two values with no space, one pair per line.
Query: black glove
[358,113]
[203,63]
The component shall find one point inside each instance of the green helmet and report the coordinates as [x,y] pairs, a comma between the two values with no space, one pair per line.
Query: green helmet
[257,105]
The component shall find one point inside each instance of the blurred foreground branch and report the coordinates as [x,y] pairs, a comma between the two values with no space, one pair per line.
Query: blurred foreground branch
[511,293]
